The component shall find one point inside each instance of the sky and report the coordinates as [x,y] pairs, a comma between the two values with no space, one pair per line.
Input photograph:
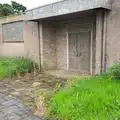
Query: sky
[31,3]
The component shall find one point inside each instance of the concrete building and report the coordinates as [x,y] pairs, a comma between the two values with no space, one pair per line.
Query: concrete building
[74,35]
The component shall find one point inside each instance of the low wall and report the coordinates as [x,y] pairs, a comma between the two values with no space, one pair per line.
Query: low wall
[12,18]
[13,49]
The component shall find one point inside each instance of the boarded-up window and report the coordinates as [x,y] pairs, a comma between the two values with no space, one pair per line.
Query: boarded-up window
[13,31]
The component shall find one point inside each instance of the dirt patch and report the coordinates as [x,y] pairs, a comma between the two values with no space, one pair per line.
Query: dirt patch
[24,88]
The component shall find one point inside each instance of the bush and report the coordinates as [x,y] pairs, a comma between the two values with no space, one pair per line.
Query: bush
[93,98]
[12,66]
[113,71]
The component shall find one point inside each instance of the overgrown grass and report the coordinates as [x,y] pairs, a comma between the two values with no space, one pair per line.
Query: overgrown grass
[92,98]
[12,66]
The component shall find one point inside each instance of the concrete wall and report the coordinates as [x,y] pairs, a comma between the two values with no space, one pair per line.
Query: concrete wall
[11,36]
[12,39]
[55,40]
[61,45]
[49,45]
[13,49]
[62,39]
[31,41]
[13,32]
[113,35]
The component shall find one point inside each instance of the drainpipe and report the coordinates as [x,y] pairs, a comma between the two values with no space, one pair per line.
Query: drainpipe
[40,67]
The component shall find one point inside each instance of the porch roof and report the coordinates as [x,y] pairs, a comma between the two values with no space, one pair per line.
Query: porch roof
[66,7]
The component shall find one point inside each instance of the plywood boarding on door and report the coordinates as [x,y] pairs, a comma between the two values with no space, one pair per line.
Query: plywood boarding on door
[80,48]
[83,51]
[72,51]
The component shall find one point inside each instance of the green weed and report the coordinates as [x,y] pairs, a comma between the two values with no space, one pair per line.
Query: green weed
[92,98]
[12,66]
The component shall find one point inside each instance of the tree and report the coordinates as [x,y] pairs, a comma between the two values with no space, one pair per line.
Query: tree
[13,8]
[5,10]
[18,8]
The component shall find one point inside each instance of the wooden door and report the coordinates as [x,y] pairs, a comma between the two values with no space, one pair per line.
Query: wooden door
[79,52]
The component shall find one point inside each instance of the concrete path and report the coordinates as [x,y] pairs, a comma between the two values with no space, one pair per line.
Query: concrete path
[12,109]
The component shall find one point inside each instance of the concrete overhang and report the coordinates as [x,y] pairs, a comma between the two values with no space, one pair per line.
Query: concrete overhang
[66,7]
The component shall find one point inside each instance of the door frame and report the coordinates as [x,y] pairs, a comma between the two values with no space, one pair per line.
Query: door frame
[91,48]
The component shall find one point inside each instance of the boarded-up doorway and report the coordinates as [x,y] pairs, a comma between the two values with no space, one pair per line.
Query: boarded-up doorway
[79,51]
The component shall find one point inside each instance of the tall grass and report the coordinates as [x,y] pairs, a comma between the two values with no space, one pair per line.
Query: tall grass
[92,98]
[12,66]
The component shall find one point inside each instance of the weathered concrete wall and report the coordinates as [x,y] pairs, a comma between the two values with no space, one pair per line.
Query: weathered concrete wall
[113,36]
[12,18]
[13,31]
[11,36]
[55,41]
[49,45]
[61,45]
[11,39]
[66,7]
[13,49]
[31,41]
[62,39]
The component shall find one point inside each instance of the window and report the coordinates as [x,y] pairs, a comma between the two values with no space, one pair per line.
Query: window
[13,32]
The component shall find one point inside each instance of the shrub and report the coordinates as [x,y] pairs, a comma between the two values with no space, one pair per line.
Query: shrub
[12,66]
[93,98]
[113,71]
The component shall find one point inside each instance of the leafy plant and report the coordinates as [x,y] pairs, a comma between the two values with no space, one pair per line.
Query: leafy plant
[12,66]
[114,71]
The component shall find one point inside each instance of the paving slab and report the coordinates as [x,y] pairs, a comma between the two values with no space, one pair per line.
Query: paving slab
[12,109]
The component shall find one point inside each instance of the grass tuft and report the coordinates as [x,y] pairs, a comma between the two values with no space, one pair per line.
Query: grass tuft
[12,66]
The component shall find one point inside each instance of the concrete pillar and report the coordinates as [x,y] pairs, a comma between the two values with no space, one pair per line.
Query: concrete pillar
[41,45]
[99,41]
[104,42]
[1,40]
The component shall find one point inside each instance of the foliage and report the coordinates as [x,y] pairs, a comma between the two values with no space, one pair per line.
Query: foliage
[92,98]
[12,66]
[114,71]
[14,8]
[18,8]
[5,10]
